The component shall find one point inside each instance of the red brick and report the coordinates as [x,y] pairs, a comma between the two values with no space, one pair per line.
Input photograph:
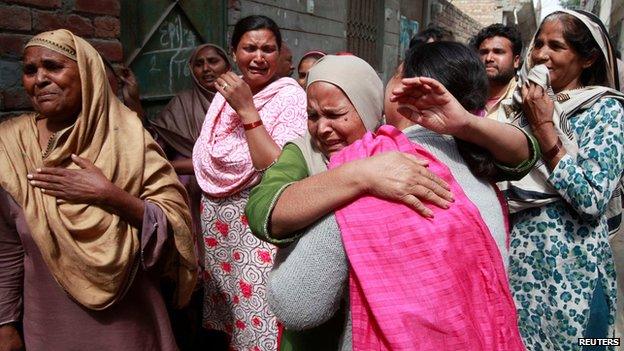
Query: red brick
[13,44]
[16,99]
[79,25]
[15,18]
[111,49]
[48,4]
[106,27]
[45,20]
[100,7]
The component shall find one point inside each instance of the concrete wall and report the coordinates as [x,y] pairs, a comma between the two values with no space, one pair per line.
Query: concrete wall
[319,27]
[391,39]
[95,20]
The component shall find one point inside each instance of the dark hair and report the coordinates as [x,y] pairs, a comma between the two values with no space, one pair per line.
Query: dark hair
[432,32]
[255,22]
[454,65]
[315,55]
[462,73]
[583,43]
[499,30]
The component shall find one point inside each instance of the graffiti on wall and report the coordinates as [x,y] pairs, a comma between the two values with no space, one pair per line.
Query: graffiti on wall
[409,28]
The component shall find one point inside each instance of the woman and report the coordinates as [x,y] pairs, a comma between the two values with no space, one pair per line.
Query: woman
[177,128]
[88,228]
[249,120]
[561,269]
[301,291]
[180,122]
[306,62]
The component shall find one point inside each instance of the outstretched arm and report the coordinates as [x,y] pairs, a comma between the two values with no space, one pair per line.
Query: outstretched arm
[427,102]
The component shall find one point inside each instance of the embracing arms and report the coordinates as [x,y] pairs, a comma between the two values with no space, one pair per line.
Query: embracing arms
[288,200]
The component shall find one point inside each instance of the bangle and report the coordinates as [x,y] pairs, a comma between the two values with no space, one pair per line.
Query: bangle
[252,125]
[550,154]
[267,167]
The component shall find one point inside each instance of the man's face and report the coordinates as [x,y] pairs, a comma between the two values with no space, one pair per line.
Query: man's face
[500,63]
[285,66]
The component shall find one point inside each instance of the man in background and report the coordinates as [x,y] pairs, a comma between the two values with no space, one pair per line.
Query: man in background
[285,66]
[499,47]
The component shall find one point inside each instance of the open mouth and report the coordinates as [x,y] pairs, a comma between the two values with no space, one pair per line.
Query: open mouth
[256,70]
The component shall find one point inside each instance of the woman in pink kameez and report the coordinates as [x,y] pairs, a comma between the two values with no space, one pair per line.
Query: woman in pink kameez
[249,120]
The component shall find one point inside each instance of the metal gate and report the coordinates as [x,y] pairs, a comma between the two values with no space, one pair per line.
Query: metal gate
[365,22]
[158,37]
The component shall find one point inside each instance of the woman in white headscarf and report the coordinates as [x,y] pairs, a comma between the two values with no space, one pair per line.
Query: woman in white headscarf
[561,269]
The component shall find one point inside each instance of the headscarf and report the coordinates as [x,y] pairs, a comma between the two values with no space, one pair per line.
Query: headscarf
[180,122]
[534,190]
[90,252]
[312,54]
[221,157]
[360,83]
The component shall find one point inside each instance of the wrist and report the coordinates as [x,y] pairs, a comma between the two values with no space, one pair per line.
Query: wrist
[248,115]
[543,127]
[552,152]
[355,174]
[471,125]
[108,196]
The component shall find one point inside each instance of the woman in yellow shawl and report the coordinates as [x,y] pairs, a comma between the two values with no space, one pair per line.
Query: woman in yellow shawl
[91,213]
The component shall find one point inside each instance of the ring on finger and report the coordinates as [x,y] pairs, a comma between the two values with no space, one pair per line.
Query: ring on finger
[225,86]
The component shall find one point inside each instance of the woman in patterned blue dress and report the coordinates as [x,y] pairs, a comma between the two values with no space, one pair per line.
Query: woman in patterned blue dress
[561,270]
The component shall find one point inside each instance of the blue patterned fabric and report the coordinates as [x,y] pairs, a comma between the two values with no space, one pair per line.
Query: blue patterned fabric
[560,251]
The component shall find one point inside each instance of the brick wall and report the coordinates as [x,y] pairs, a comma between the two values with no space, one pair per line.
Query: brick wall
[485,12]
[460,24]
[94,20]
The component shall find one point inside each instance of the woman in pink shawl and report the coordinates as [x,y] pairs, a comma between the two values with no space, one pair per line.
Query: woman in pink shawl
[250,119]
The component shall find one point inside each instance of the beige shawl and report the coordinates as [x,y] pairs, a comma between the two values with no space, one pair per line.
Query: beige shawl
[90,252]
[360,83]
[180,122]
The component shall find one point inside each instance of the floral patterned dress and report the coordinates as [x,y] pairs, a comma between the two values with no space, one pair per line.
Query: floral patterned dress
[559,252]
[237,265]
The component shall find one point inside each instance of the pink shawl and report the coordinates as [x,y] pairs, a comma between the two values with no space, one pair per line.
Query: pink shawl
[418,284]
[221,155]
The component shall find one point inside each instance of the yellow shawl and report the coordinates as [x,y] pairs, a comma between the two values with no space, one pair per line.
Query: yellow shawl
[92,253]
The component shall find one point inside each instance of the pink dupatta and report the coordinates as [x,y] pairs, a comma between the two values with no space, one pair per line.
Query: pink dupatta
[419,284]
[221,155]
